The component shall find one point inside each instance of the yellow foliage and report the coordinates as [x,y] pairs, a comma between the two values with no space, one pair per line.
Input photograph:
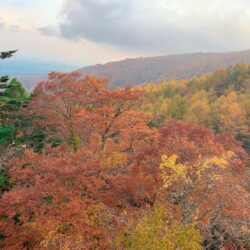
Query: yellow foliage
[183,238]
[147,234]
[219,100]
[230,154]
[76,141]
[176,171]
[152,233]
[214,163]
[199,108]
[116,159]
[92,215]
[228,114]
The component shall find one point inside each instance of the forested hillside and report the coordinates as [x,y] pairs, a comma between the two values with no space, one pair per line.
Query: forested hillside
[219,100]
[136,71]
[131,72]
[84,166]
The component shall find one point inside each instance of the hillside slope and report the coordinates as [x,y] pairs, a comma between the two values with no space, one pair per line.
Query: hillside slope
[141,70]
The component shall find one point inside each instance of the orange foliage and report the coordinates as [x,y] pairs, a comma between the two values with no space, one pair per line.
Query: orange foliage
[105,172]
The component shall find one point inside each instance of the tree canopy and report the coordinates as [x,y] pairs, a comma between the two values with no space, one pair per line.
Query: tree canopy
[152,167]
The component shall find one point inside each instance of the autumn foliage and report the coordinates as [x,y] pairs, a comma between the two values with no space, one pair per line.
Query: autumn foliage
[105,177]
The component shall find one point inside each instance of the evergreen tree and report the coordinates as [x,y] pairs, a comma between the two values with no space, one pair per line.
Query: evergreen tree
[12,98]
[7,54]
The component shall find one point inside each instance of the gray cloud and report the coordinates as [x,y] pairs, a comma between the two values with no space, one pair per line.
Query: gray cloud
[165,26]
[49,31]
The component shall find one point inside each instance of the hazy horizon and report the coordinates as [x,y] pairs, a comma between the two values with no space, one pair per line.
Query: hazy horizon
[86,32]
[16,67]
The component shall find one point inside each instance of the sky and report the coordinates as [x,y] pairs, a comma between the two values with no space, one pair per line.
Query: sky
[75,33]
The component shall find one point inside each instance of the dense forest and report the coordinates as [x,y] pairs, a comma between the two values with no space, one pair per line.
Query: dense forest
[219,100]
[160,166]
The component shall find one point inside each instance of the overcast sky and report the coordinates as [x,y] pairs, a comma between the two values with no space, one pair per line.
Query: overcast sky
[81,32]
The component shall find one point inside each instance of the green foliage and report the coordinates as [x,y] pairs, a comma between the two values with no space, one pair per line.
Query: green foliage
[37,138]
[2,179]
[55,142]
[6,133]
[4,79]
[74,140]
[2,236]
[4,182]
[178,108]
[12,99]
[154,123]
[15,90]
[7,54]
[48,199]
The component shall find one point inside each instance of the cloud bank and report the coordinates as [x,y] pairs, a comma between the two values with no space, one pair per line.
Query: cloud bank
[1,23]
[159,25]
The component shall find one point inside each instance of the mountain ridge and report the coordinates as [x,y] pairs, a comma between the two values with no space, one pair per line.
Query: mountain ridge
[134,71]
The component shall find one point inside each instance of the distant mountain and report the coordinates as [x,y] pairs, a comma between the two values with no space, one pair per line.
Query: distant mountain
[30,72]
[137,71]
[29,81]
